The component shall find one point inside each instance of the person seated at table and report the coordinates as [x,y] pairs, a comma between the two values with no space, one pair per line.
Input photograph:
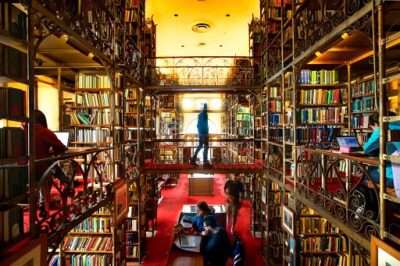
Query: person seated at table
[215,245]
[371,147]
[203,210]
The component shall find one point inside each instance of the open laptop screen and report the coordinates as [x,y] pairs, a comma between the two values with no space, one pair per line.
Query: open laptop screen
[348,142]
[63,136]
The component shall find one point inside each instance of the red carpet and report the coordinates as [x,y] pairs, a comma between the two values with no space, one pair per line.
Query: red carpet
[168,213]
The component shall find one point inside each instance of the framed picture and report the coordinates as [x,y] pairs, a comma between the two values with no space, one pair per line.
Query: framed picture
[382,254]
[30,253]
[264,195]
[288,220]
[121,200]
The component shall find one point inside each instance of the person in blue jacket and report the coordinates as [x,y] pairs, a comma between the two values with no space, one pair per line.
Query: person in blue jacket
[203,210]
[202,128]
[371,147]
[215,245]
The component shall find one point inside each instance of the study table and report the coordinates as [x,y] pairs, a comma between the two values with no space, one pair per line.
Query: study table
[182,256]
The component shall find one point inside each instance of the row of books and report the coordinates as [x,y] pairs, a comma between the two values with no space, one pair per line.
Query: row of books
[130,107]
[277,13]
[132,251]
[311,225]
[132,224]
[133,210]
[316,134]
[243,117]
[326,115]
[274,92]
[12,142]
[275,119]
[14,20]
[275,106]
[324,243]
[243,109]
[131,15]
[87,243]
[131,134]
[95,81]
[13,182]
[335,260]
[12,102]
[97,117]
[95,225]
[320,96]
[275,135]
[131,94]
[11,224]
[362,88]
[364,104]
[93,99]
[14,63]
[132,3]
[87,260]
[92,135]
[323,76]
[360,121]
[132,238]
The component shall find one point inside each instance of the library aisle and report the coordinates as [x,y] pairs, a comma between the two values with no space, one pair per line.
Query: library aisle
[168,212]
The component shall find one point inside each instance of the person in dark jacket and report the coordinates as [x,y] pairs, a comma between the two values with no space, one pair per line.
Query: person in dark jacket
[202,128]
[203,210]
[215,245]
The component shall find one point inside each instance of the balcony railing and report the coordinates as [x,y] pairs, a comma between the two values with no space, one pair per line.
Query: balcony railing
[202,71]
[221,151]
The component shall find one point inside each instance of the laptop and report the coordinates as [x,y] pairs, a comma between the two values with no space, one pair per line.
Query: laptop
[349,144]
[187,241]
[63,136]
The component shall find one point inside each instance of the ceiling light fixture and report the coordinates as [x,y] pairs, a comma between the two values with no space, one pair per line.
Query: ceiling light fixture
[228,15]
[201,44]
[90,55]
[64,37]
[345,35]
[175,15]
[182,45]
[220,45]
[318,53]
[201,27]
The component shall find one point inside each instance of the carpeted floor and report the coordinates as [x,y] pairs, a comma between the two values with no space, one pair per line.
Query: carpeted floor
[168,213]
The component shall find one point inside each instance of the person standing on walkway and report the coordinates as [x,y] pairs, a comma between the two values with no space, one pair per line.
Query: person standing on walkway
[202,128]
[234,195]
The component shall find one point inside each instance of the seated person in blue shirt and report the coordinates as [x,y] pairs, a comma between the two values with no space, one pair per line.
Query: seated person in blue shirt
[203,210]
[215,245]
[371,147]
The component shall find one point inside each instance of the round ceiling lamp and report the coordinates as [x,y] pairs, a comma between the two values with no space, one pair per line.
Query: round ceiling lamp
[201,27]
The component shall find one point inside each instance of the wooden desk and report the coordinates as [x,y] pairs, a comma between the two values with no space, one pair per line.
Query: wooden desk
[201,184]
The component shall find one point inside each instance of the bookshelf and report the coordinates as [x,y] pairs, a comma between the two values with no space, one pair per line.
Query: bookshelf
[98,239]
[16,175]
[135,242]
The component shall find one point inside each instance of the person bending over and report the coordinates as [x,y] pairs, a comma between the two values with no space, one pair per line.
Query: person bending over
[234,195]
[202,127]
[215,245]
[203,210]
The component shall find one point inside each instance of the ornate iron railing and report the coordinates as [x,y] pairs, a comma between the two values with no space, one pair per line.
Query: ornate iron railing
[334,184]
[198,71]
[68,193]
[316,19]
[221,151]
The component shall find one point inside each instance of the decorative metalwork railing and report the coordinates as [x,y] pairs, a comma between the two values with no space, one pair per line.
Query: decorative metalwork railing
[68,193]
[221,151]
[334,184]
[210,71]
[316,19]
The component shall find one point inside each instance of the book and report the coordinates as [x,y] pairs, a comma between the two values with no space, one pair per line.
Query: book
[13,182]
[12,102]
[12,142]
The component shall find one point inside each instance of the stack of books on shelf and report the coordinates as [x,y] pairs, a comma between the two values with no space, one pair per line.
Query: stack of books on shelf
[322,77]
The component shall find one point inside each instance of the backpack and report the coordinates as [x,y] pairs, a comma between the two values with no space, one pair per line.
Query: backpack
[238,252]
